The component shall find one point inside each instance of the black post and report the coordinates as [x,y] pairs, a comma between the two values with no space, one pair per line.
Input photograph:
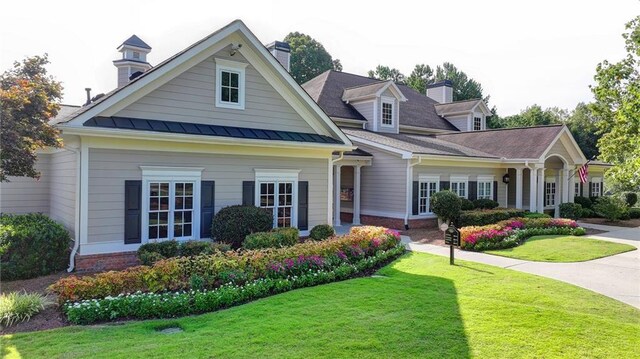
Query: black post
[451,254]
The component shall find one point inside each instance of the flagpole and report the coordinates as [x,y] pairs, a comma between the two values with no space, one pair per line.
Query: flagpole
[574,170]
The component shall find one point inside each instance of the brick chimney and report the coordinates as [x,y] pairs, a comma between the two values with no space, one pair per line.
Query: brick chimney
[282,52]
[441,91]
[134,60]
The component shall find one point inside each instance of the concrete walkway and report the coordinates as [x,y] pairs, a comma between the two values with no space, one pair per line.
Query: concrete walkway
[616,276]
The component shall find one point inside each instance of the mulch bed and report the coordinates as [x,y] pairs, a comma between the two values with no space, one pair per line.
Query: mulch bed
[630,223]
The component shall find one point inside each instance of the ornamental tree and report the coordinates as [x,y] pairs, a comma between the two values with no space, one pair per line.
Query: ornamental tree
[308,57]
[28,99]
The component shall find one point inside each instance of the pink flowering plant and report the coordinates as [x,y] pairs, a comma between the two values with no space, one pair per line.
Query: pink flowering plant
[514,231]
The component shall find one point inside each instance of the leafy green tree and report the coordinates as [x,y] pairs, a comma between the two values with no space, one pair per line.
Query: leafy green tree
[308,57]
[386,73]
[583,125]
[464,88]
[28,99]
[420,77]
[617,107]
[532,116]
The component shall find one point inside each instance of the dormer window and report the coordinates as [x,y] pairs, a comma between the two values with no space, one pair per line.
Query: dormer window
[230,86]
[136,55]
[387,113]
[477,123]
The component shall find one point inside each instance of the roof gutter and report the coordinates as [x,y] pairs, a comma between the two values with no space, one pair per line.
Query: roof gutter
[408,190]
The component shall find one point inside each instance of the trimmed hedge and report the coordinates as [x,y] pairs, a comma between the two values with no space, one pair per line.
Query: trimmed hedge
[570,210]
[321,232]
[446,205]
[536,215]
[484,217]
[32,245]
[211,271]
[280,237]
[634,213]
[467,205]
[485,203]
[150,253]
[515,231]
[232,224]
[173,304]
[585,202]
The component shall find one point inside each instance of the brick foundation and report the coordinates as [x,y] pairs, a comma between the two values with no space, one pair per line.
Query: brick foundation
[398,223]
[105,262]
[346,217]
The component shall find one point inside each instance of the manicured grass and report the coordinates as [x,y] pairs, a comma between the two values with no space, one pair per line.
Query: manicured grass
[421,307]
[562,249]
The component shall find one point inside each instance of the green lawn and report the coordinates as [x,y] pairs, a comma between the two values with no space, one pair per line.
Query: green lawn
[421,307]
[562,249]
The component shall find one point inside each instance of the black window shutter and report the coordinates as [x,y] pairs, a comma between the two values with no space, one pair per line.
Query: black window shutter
[473,190]
[590,189]
[581,187]
[415,198]
[248,193]
[444,185]
[207,207]
[132,212]
[601,188]
[303,205]
[495,191]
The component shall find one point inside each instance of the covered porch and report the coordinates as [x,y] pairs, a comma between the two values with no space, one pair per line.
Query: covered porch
[347,175]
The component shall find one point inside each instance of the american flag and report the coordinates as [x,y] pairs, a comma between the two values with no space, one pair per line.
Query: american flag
[583,172]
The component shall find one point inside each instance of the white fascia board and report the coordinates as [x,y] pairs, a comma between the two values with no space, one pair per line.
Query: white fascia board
[179,137]
[459,158]
[394,88]
[566,131]
[405,154]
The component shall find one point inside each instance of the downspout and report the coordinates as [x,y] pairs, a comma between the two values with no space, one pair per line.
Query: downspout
[409,189]
[76,241]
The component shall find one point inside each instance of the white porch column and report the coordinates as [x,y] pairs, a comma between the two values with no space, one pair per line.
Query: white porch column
[572,187]
[566,189]
[336,198]
[540,190]
[356,195]
[533,189]
[519,188]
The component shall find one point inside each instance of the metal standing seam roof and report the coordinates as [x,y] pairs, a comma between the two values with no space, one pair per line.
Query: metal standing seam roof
[138,124]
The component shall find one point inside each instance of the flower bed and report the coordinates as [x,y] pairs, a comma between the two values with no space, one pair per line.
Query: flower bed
[172,304]
[236,267]
[512,232]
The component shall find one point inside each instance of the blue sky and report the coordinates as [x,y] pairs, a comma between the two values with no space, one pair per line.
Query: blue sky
[542,52]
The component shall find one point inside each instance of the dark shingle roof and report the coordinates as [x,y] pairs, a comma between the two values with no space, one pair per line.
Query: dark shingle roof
[515,143]
[137,42]
[326,89]
[512,143]
[139,124]
[456,107]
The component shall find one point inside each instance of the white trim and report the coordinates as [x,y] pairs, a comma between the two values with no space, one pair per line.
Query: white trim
[390,101]
[275,176]
[405,154]
[576,148]
[171,175]
[370,212]
[108,247]
[231,67]
[428,178]
[84,193]
[486,178]
[459,180]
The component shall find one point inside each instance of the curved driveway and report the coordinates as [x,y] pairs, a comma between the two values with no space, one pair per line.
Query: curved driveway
[616,276]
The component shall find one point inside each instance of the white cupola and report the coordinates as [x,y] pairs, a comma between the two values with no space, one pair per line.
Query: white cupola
[134,60]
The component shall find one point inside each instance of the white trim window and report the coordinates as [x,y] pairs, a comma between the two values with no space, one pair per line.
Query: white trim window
[477,123]
[459,186]
[277,190]
[485,188]
[550,193]
[170,203]
[230,84]
[426,188]
[596,187]
[576,190]
[387,113]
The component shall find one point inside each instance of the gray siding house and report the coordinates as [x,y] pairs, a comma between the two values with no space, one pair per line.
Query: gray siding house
[223,123]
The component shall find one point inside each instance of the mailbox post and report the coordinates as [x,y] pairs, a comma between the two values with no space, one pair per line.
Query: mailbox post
[452,238]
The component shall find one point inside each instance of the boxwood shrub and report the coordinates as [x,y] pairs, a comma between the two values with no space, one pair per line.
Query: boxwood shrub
[232,224]
[485,203]
[570,210]
[32,245]
[484,217]
[150,253]
[634,213]
[631,198]
[446,205]
[321,232]
[585,202]
[283,237]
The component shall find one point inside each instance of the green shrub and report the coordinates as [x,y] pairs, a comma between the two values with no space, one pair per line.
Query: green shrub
[634,213]
[18,307]
[32,245]
[593,200]
[585,202]
[570,210]
[536,215]
[322,231]
[148,258]
[485,203]
[611,208]
[587,213]
[232,224]
[152,252]
[467,205]
[631,198]
[484,217]
[292,235]
[446,205]
[261,240]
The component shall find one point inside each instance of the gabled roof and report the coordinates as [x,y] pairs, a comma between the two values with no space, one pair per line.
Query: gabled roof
[327,89]
[510,143]
[265,63]
[444,109]
[136,42]
[370,91]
